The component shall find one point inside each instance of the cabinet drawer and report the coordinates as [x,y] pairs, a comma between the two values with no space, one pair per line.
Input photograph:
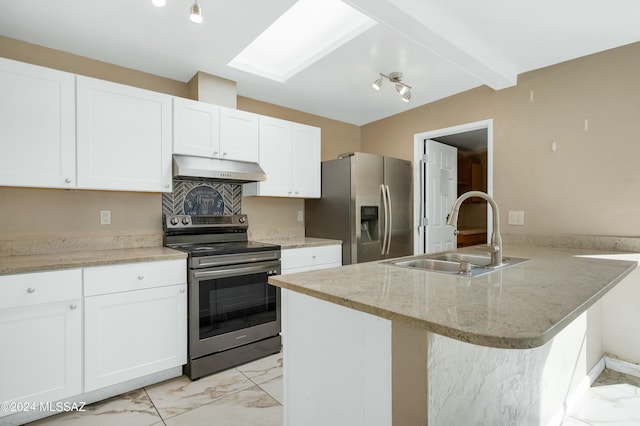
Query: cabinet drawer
[133,276]
[40,287]
[311,257]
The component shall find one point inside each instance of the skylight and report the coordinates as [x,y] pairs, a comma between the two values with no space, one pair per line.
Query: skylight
[306,32]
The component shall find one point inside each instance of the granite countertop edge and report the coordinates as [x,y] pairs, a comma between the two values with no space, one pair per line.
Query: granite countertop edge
[522,338]
[78,259]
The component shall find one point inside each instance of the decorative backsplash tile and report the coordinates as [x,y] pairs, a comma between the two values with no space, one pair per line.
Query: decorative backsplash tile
[192,196]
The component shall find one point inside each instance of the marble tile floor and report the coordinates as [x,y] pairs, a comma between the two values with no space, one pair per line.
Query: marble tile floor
[613,399]
[251,394]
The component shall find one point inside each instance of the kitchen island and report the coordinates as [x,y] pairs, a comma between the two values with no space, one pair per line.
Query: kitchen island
[377,344]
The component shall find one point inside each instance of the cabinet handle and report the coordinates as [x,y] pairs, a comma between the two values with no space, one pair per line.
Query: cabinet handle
[224,154]
[166,185]
[73,306]
[296,192]
[31,290]
[140,277]
[313,257]
[215,152]
[182,290]
[289,192]
[67,181]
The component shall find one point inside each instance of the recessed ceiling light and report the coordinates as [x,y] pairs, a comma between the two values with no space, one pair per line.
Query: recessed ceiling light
[306,32]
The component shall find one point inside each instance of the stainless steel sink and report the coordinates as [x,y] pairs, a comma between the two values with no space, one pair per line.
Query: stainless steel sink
[455,263]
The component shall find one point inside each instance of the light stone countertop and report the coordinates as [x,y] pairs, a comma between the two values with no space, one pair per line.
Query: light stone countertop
[518,307]
[78,259]
[300,242]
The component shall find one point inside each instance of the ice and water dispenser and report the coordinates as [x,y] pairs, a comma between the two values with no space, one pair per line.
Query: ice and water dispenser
[368,224]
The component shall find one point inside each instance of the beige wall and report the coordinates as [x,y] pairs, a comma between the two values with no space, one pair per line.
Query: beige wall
[590,185]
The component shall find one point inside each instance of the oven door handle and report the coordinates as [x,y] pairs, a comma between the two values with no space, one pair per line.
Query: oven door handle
[233,272]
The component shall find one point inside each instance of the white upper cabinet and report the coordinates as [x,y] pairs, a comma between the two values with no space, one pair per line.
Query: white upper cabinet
[290,157]
[37,131]
[196,128]
[239,135]
[124,137]
[306,161]
[212,131]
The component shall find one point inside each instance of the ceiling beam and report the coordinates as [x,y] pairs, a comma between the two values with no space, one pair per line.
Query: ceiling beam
[478,60]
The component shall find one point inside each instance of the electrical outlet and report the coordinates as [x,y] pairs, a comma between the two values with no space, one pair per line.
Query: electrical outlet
[516,217]
[105,217]
[300,216]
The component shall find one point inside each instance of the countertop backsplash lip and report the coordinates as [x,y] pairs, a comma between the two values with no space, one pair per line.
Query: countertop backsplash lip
[574,241]
[60,244]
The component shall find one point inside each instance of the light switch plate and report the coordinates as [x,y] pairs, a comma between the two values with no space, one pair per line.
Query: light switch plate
[300,216]
[516,217]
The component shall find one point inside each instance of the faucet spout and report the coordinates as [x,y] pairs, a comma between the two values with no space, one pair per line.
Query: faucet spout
[496,239]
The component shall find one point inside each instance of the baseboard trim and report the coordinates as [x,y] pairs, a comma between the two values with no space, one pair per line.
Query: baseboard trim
[622,366]
[597,370]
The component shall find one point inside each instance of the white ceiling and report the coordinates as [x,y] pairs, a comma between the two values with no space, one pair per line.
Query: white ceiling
[443,47]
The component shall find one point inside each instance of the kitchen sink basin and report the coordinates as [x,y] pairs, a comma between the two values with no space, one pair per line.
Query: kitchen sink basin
[455,263]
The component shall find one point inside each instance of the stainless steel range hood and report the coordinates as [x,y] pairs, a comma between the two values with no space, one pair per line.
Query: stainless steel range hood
[229,171]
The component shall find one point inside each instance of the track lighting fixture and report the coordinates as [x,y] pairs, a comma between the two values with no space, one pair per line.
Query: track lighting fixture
[195,13]
[395,77]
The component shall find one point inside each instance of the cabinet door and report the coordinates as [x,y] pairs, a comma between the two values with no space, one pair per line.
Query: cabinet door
[124,137]
[41,357]
[37,110]
[196,128]
[275,157]
[306,161]
[132,334]
[239,135]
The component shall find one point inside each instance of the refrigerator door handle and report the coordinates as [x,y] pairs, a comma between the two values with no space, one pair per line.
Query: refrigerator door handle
[386,219]
[390,219]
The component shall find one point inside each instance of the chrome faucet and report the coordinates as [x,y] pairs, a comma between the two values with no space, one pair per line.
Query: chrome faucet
[495,248]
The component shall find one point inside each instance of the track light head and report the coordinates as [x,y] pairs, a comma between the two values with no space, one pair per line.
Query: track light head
[401,88]
[396,78]
[196,13]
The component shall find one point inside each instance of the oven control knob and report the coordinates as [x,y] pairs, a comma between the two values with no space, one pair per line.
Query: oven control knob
[185,220]
[242,219]
[174,221]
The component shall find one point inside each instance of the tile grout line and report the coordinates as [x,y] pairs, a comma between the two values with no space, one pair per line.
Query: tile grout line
[154,405]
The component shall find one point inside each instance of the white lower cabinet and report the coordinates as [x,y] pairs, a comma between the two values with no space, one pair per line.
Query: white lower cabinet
[310,258]
[41,337]
[138,325]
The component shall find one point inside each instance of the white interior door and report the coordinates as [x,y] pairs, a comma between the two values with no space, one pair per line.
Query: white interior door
[439,193]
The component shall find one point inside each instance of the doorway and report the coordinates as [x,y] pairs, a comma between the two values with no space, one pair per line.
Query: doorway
[474,142]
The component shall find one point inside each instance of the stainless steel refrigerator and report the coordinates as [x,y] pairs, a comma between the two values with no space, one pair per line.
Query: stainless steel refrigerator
[366,203]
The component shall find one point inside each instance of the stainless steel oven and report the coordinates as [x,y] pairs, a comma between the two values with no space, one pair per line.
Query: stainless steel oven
[234,314]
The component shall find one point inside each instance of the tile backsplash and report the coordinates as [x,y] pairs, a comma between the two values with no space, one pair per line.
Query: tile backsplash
[192,196]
